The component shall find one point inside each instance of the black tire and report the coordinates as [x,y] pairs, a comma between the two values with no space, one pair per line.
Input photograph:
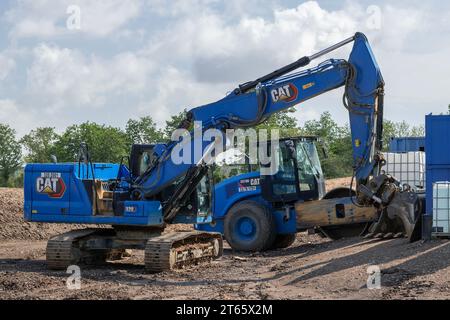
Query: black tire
[283,241]
[263,228]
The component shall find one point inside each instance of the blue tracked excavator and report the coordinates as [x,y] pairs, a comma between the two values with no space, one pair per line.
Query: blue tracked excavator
[138,200]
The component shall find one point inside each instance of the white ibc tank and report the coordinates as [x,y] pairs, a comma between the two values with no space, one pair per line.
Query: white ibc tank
[441,207]
[408,168]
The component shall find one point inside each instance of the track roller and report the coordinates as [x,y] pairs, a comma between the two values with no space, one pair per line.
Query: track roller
[65,250]
[176,250]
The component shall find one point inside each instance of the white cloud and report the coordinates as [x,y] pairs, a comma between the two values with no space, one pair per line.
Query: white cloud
[61,77]
[7,65]
[176,90]
[214,49]
[179,7]
[202,48]
[47,18]
[103,17]
[13,115]
[231,52]
[7,108]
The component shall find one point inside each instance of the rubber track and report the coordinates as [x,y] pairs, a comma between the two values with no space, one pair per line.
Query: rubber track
[159,251]
[61,250]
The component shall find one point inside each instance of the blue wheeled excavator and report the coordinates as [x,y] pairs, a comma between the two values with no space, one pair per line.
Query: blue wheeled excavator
[156,189]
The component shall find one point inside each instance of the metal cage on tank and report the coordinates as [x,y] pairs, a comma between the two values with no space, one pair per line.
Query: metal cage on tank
[441,209]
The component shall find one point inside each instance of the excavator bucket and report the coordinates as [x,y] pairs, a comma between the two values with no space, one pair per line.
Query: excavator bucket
[401,218]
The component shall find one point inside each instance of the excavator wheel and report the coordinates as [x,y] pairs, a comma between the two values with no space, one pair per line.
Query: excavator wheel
[250,227]
[345,231]
[283,241]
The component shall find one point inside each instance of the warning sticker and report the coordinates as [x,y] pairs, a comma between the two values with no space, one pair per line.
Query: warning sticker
[248,185]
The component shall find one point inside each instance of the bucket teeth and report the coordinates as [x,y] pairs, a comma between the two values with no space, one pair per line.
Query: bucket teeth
[369,236]
[388,236]
[401,218]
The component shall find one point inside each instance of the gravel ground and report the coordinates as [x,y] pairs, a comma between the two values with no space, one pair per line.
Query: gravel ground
[12,225]
[313,268]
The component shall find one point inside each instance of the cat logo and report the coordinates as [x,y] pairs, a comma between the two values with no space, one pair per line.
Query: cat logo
[286,93]
[51,184]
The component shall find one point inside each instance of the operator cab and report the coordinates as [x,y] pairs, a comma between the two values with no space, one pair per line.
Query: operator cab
[141,158]
[299,174]
[197,206]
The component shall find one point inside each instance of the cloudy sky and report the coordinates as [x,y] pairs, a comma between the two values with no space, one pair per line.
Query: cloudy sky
[131,58]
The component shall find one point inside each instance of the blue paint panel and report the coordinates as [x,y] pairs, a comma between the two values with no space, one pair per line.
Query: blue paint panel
[151,210]
[75,204]
[438,140]
[102,171]
[227,194]
[129,221]
[217,226]
[361,91]
[437,145]
[408,144]
[286,226]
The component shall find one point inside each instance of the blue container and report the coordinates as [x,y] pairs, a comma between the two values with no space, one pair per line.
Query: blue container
[437,147]
[407,144]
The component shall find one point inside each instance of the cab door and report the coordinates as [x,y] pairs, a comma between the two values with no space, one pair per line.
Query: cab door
[283,186]
[309,171]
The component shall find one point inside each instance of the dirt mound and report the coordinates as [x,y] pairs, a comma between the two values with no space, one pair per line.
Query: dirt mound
[338,183]
[13,226]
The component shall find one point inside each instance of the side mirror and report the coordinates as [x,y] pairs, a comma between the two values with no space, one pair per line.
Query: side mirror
[324,152]
[291,148]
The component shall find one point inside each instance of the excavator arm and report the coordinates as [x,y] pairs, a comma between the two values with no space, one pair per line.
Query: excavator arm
[252,103]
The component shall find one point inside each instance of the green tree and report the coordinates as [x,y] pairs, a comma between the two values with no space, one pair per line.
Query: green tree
[40,145]
[10,154]
[173,123]
[284,122]
[337,141]
[393,129]
[106,143]
[143,131]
